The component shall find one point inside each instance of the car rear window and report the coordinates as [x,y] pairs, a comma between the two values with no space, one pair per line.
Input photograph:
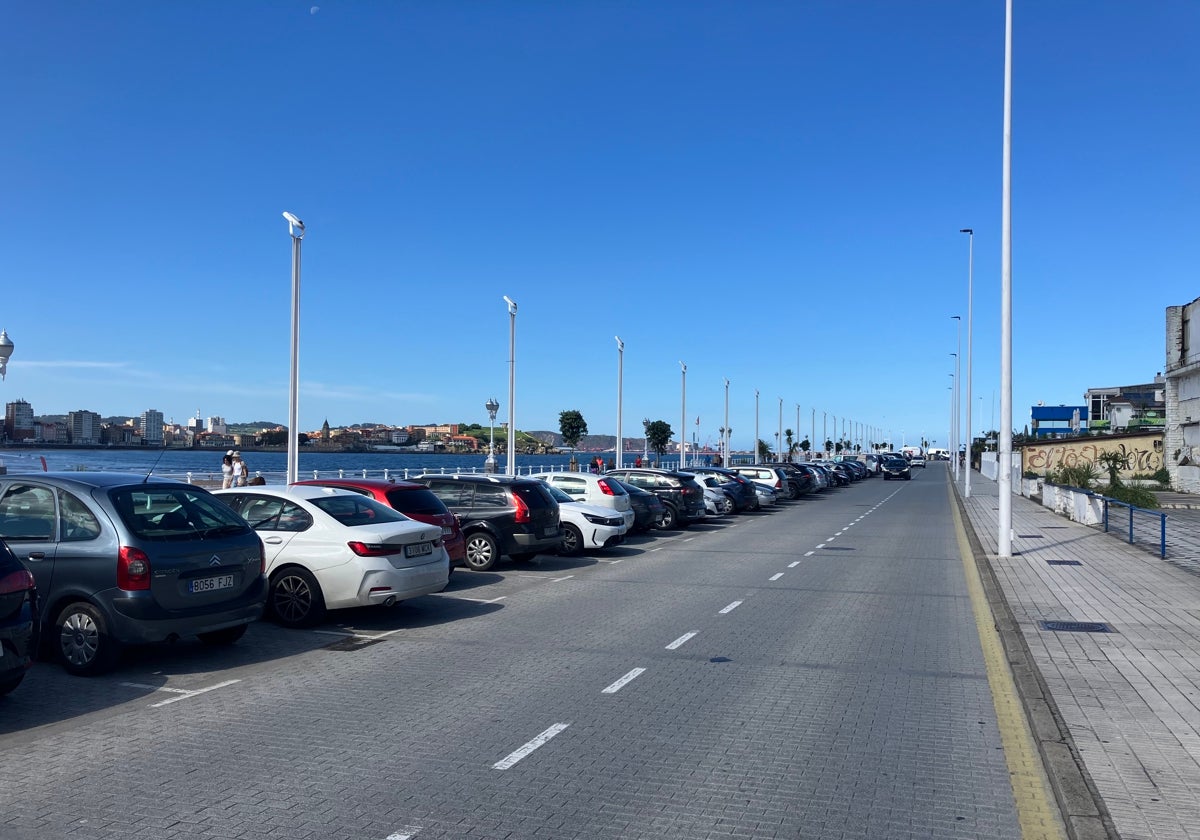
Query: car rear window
[171,513]
[534,494]
[420,501]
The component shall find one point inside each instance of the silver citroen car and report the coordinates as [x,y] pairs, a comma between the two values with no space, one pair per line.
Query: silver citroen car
[122,559]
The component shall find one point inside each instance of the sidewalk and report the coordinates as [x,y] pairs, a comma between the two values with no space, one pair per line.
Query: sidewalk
[1125,702]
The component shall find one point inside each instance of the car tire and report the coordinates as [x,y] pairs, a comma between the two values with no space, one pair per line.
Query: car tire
[669,519]
[83,644]
[10,684]
[295,599]
[223,637]
[572,541]
[482,551]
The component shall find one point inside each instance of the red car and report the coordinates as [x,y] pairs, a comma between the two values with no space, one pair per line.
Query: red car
[416,501]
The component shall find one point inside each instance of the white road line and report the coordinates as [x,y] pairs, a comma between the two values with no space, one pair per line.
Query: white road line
[192,693]
[776,576]
[793,564]
[808,553]
[730,608]
[689,539]
[406,833]
[513,757]
[831,539]
[624,681]
[349,634]
[655,549]
[157,688]
[681,640]
[822,545]
[561,579]
[482,600]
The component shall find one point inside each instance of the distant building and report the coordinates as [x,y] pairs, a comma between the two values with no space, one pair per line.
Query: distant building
[151,426]
[1048,421]
[51,431]
[216,426]
[83,427]
[1127,407]
[18,421]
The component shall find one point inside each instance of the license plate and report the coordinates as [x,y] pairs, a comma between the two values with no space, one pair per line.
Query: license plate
[418,549]
[550,532]
[210,584]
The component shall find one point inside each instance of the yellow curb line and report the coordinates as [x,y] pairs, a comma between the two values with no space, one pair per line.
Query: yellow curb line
[1037,813]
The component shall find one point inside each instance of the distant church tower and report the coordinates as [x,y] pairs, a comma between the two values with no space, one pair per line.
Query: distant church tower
[325,432]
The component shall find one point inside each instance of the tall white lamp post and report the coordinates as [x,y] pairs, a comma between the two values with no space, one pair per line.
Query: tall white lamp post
[779,434]
[6,351]
[756,458]
[511,467]
[1004,456]
[682,414]
[296,230]
[725,431]
[489,466]
[970,283]
[645,441]
[620,453]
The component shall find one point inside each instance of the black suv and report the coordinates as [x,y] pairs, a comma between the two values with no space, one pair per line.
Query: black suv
[681,495]
[499,515]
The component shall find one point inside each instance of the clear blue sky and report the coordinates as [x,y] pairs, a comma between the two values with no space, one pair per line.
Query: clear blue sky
[768,191]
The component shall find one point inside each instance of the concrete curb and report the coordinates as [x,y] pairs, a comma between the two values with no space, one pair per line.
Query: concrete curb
[1085,816]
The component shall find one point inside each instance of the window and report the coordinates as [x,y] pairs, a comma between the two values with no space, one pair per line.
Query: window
[491,496]
[453,493]
[75,521]
[27,513]
[576,487]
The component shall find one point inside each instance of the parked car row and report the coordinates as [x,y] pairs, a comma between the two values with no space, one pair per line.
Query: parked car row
[92,562]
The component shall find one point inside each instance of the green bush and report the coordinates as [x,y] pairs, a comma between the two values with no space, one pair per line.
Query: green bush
[1030,474]
[1136,496]
[1084,476]
[1161,475]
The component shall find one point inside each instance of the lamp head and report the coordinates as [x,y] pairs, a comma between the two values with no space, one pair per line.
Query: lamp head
[294,224]
[955,317]
[683,367]
[620,343]
[512,307]
[967,230]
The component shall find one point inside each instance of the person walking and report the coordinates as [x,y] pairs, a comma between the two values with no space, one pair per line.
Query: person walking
[239,470]
[227,470]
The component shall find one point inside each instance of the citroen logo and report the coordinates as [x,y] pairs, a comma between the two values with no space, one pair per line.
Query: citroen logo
[215,561]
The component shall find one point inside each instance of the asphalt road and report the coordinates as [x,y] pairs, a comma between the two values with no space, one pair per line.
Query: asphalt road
[812,672]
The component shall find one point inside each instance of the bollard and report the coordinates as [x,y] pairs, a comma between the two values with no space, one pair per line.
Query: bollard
[189,481]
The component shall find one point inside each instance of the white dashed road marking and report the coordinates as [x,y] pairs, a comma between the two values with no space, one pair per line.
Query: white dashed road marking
[681,640]
[808,553]
[776,576]
[730,608]
[624,681]
[515,756]
[793,564]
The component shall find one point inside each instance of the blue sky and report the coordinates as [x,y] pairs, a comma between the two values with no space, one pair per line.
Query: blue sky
[768,191]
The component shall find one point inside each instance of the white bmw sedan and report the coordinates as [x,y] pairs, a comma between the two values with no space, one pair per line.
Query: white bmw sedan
[332,549]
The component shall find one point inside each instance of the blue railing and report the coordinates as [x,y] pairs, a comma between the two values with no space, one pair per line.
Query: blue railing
[1140,522]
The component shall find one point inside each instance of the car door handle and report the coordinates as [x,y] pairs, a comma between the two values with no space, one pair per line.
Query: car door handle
[274,540]
[37,555]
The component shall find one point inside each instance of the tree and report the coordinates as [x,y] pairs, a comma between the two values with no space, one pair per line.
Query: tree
[828,445]
[791,444]
[572,426]
[764,449]
[658,436]
[805,444]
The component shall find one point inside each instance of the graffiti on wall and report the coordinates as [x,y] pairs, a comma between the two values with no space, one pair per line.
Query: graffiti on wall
[1144,453]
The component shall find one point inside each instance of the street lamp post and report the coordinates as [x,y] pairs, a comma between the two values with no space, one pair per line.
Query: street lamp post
[756,458]
[620,453]
[779,434]
[6,351]
[489,466]
[682,413]
[511,467]
[296,231]
[1004,457]
[725,431]
[970,282]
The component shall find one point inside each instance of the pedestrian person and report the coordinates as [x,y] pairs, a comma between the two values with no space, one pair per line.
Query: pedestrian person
[599,464]
[637,462]
[239,470]
[227,470]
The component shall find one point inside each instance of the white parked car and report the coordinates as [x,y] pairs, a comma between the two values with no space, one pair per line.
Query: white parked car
[592,489]
[716,500]
[331,549]
[587,526]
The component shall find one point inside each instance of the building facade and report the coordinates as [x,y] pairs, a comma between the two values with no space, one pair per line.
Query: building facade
[1181,443]
[18,421]
[83,427]
[151,426]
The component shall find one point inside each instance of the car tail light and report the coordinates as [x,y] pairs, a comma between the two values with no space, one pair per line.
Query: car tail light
[778,483]
[14,582]
[605,488]
[133,569]
[363,549]
[522,509]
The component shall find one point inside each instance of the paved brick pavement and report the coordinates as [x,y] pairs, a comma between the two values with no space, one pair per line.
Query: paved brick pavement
[1129,700]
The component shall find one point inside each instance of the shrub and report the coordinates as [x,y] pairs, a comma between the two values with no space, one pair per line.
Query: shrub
[1030,474]
[1136,496]
[1161,475]
[1083,476]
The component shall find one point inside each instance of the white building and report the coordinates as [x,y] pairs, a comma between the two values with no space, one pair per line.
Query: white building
[83,427]
[1181,441]
[151,426]
[216,426]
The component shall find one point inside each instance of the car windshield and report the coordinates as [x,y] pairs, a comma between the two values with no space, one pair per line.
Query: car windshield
[558,495]
[354,510]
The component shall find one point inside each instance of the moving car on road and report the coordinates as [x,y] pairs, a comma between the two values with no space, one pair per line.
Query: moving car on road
[896,468]
[328,549]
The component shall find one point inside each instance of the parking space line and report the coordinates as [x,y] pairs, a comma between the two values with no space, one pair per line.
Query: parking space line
[730,608]
[482,600]
[822,545]
[408,832]
[561,579]
[681,640]
[192,693]
[793,564]
[776,576]
[809,553]
[157,688]
[518,754]
[624,681]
